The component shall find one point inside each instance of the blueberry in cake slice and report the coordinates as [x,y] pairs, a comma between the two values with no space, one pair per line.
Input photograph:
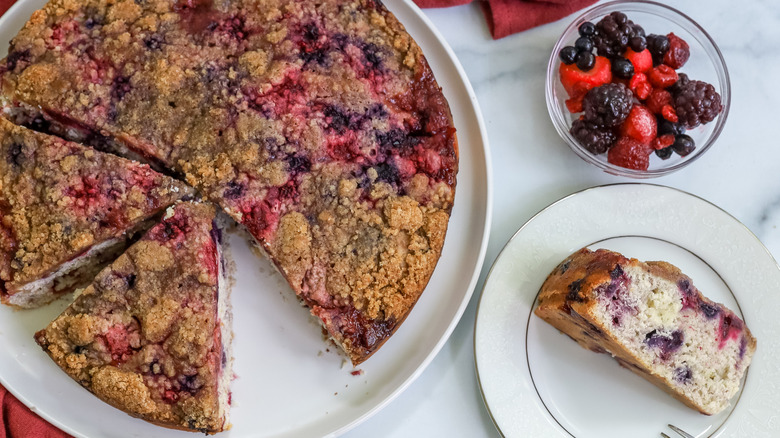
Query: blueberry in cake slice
[151,335]
[317,125]
[66,211]
[653,321]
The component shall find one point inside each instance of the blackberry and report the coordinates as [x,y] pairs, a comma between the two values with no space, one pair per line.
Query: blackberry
[613,33]
[585,61]
[682,80]
[568,55]
[622,68]
[658,46]
[683,145]
[664,153]
[608,105]
[593,138]
[587,29]
[696,103]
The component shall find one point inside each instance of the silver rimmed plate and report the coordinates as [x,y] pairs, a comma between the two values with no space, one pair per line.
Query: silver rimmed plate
[536,382]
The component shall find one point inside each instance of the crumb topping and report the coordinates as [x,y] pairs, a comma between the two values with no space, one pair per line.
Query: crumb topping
[58,199]
[145,336]
[318,125]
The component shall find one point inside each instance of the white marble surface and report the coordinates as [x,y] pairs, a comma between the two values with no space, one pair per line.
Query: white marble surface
[533,167]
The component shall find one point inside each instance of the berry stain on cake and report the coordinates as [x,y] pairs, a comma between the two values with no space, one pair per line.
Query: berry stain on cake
[653,321]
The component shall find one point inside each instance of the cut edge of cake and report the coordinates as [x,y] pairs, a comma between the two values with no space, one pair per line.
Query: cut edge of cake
[654,322]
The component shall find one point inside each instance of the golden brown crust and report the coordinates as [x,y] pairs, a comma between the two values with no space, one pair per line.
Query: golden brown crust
[316,124]
[145,336]
[58,199]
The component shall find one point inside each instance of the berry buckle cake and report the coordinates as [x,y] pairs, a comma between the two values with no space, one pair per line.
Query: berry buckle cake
[653,321]
[151,334]
[317,125]
[66,211]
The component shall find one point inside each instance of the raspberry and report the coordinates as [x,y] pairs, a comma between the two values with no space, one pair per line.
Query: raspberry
[574,104]
[696,103]
[613,33]
[662,76]
[640,86]
[678,52]
[657,99]
[573,78]
[662,142]
[630,153]
[608,105]
[642,61]
[591,137]
[640,125]
[668,112]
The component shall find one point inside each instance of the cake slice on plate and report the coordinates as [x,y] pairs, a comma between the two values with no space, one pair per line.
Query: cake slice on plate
[66,211]
[653,321]
[317,125]
[151,335]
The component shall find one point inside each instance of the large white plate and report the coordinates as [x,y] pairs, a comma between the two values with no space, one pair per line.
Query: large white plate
[290,384]
[536,382]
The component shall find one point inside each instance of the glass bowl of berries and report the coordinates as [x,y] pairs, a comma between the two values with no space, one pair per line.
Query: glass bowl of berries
[637,88]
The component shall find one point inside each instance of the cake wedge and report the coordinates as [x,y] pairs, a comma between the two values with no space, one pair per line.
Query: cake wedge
[66,211]
[151,335]
[651,318]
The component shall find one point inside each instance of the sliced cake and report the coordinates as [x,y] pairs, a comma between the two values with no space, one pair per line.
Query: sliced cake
[653,321]
[318,125]
[151,335]
[66,211]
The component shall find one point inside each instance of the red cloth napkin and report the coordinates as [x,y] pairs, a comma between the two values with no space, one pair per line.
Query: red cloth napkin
[16,421]
[506,17]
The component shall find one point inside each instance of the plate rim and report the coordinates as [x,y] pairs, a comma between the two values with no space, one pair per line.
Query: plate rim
[479,126]
[552,205]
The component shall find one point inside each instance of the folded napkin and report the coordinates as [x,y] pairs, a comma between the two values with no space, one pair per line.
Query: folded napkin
[16,421]
[506,17]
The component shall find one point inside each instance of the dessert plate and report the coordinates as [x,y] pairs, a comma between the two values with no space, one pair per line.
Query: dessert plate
[290,382]
[537,382]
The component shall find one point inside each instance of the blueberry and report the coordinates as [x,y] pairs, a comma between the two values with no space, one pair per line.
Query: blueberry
[638,43]
[371,52]
[587,29]
[683,374]
[15,154]
[153,42]
[585,61]
[15,57]
[233,190]
[664,153]
[311,32]
[388,173]
[622,68]
[683,145]
[583,44]
[667,343]
[298,164]
[658,46]
[709,310]
[337,119]
[616,273]
[667,127]
[568,55]
[574,291]
[130,279]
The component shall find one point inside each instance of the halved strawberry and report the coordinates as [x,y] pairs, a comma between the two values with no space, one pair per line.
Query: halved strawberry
[642,61]
[630,153]
[575,80]
[662,76]
[678,52]
[640,125]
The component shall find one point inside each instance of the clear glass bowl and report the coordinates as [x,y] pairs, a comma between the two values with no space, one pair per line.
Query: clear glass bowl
[705,64]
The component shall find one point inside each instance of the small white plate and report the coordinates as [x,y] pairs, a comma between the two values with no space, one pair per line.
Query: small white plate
[290,382]
[536,382]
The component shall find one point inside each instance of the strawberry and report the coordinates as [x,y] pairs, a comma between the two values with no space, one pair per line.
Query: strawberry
[574,105]
[640,86]
[657,99]
[575,80]
[640,125]
[630,153]
[642,61]
[678,52]
[662,76]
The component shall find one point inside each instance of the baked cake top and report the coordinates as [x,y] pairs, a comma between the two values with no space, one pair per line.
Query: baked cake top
[58,199]
[144,336]
[318,125]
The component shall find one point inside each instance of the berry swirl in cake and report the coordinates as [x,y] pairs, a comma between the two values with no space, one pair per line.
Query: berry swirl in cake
[318,125]
[651,318]
[66,211]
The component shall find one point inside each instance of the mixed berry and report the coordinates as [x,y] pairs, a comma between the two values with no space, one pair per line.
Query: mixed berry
[633,100]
